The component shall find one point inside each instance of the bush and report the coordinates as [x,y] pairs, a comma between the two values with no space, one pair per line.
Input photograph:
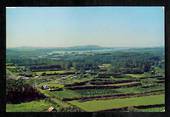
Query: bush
[18,91]
[131,109]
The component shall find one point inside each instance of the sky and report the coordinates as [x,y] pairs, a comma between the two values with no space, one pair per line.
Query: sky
[76,26]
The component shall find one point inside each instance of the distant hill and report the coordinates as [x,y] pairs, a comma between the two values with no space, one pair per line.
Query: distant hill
[34,52]
[83,48]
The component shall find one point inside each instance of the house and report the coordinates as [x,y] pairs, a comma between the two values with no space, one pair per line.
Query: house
[51,109]
[44,87]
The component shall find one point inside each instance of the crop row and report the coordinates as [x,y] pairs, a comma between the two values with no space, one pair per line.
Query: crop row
[111,82]
[136,107]
[131,84]
[101,105]
[114,96]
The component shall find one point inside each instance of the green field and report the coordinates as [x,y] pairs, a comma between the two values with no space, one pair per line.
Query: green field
[51,72]
[139,89]
[98,105]
[157,109]
[97,92]
[138,75]
[66,94]
[33,106]
[51,84]
[85,79]
[12,67]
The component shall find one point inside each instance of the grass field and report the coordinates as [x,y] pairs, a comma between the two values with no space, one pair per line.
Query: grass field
[97,92]
[51,72]
[97,105]
[12,67]
[139,89]
[33,106]
[137,75]
[47,93]
[55,98]
[66,94]
[158,109]
[51,84]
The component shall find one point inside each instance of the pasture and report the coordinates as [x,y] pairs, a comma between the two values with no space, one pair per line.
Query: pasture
[99,105]
[33,106]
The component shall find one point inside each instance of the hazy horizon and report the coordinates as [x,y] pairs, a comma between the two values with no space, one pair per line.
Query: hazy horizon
[83,46]
[80,26]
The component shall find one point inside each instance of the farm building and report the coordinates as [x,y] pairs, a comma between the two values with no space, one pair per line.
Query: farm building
[51,109]
[44,87]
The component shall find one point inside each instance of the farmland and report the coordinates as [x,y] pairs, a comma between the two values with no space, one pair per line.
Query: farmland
[33,106]
[85,79]
[97,105]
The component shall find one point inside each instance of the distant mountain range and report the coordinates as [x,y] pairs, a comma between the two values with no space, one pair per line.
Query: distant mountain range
[79,48]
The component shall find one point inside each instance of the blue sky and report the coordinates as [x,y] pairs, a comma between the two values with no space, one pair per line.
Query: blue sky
[72,26]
